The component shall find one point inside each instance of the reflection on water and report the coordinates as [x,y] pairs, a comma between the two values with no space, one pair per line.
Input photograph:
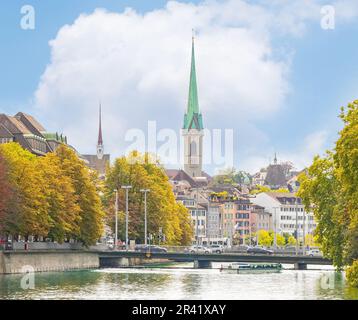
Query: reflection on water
[180,283]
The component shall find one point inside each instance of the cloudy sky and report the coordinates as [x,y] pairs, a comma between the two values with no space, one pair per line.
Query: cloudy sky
[266,69]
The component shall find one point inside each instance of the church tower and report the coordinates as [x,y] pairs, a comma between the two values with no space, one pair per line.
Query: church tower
[100,149]
[193,127]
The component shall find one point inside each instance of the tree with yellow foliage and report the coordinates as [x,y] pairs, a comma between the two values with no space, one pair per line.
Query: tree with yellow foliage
[5,195]
[264,238]
[142,172]
[54,196]
[28,212]
[87,216]
[64,210]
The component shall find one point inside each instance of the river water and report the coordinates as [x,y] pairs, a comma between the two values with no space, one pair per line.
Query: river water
[179,282]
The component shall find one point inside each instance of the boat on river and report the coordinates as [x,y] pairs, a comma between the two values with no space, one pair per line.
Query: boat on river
[239,267]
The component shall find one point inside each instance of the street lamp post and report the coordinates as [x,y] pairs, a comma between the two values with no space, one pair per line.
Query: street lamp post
[145,191]
[308,231]
[304,232]
[116,222]
[207,232]
[297,238]
[275,228]
[127,189]
[197,218]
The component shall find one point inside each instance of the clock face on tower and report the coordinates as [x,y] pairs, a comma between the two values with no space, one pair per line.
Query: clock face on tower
[99,152]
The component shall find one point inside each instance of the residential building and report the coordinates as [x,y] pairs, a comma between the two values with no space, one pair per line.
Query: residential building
[260,219]
[288,213]
[243,217]
[214,221]
[198,213]
[235,219]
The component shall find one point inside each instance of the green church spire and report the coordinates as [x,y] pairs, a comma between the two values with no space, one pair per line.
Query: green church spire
[193,118]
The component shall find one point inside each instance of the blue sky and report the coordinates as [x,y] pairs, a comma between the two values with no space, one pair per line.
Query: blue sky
[25,54]
[317,67]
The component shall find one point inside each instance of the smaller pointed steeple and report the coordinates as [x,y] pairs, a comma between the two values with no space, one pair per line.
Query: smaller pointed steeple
[100,139]
[275,159]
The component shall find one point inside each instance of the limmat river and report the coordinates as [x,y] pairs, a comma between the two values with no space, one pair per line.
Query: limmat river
[178,282]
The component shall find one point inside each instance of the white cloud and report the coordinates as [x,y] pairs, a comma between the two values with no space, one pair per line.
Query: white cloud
[315,143]
[138,66]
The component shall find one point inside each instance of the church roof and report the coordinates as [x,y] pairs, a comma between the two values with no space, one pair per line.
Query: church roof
[97,164]
[193,118]
[275,176]
[100,139]
[181,175]
[171,173]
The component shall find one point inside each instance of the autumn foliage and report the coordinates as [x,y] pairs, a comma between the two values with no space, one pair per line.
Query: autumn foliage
[164,212]
[48,197]
[330,188]
[5,192]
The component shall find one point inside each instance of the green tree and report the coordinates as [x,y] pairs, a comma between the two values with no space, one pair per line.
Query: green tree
[330,189]
[242,178]
[233,177]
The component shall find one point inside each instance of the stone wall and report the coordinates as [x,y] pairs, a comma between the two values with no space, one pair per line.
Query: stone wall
[55,246]
[120,262]
[2,267]
[14,262]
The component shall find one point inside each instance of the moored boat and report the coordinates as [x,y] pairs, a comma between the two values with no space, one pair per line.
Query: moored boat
[239,267]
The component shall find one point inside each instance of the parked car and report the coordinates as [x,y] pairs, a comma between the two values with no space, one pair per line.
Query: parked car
[217,248]
[6,244]
[198,249]
[110,243]
[151,248]
[237,248]
[259,250]
[314,253]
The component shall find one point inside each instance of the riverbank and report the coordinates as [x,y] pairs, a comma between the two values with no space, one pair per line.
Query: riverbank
[12,262]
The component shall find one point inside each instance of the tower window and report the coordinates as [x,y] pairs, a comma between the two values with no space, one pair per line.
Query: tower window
[193,148]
